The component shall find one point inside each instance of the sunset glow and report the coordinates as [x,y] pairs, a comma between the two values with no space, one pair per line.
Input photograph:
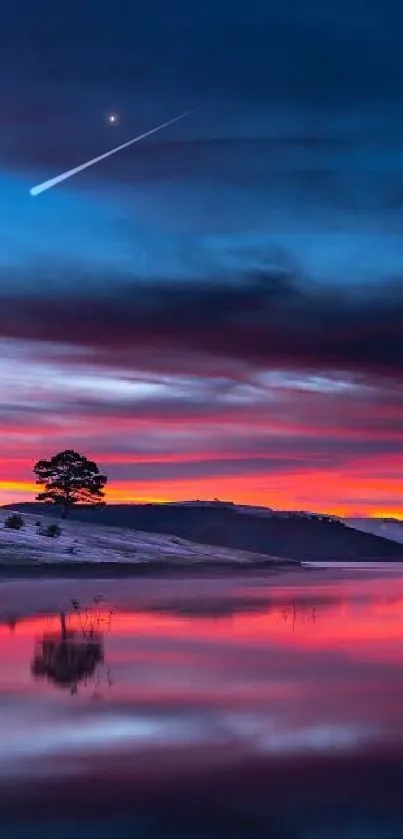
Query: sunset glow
[216,309]
[201,418]
[370,487]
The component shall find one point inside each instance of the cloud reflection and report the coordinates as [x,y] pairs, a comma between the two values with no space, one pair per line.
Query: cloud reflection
[208,695]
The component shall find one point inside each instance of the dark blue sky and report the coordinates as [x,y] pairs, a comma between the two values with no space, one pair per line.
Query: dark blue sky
[245,262]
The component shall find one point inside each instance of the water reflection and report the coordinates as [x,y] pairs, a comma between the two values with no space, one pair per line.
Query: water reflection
[225,608]
[71,656]
[74,654]
[238,709]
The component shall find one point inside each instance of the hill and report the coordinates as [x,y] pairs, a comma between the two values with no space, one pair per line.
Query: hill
[388,528]
[303,537]
[84,542]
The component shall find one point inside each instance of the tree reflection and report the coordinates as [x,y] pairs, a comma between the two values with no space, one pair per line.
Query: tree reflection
[294,611]
[290,612]
[71,657]
[11,622]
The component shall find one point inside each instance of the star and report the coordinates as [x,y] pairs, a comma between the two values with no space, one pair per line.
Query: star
[112,119]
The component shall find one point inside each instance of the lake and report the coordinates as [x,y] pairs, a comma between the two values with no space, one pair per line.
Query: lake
[227,707]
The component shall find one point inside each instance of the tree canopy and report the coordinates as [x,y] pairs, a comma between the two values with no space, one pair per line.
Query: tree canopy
[70,478]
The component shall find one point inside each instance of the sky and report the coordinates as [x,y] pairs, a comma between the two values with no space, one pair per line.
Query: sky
[215,312]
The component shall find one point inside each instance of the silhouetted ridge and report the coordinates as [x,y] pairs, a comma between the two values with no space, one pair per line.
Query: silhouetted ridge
[291,536]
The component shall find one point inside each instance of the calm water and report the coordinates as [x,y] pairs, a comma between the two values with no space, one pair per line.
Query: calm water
[203,708]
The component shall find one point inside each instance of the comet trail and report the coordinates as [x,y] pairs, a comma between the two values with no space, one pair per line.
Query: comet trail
[37,190]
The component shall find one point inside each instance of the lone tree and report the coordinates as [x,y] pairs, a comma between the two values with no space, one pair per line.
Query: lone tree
[70,478]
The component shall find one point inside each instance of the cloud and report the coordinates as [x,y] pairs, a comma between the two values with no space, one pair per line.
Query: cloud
[263,319]
[231,293]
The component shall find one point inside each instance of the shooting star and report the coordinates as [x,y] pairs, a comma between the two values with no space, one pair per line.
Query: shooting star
[37,190]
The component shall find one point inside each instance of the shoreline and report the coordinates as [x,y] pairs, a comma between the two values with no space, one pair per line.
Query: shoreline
[10,571]
[119,570]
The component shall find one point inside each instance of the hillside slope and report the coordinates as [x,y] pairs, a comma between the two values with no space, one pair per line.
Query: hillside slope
[387,528]
[299,537]
[84,542]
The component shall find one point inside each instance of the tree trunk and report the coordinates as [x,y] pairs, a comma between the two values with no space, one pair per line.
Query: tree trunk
[63,625]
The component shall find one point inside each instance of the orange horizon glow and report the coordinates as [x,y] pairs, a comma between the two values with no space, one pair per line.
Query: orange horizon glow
[335,452]
[247,490]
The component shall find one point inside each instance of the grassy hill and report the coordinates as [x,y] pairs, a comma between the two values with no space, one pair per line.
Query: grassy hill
[83,543]
[300,537]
